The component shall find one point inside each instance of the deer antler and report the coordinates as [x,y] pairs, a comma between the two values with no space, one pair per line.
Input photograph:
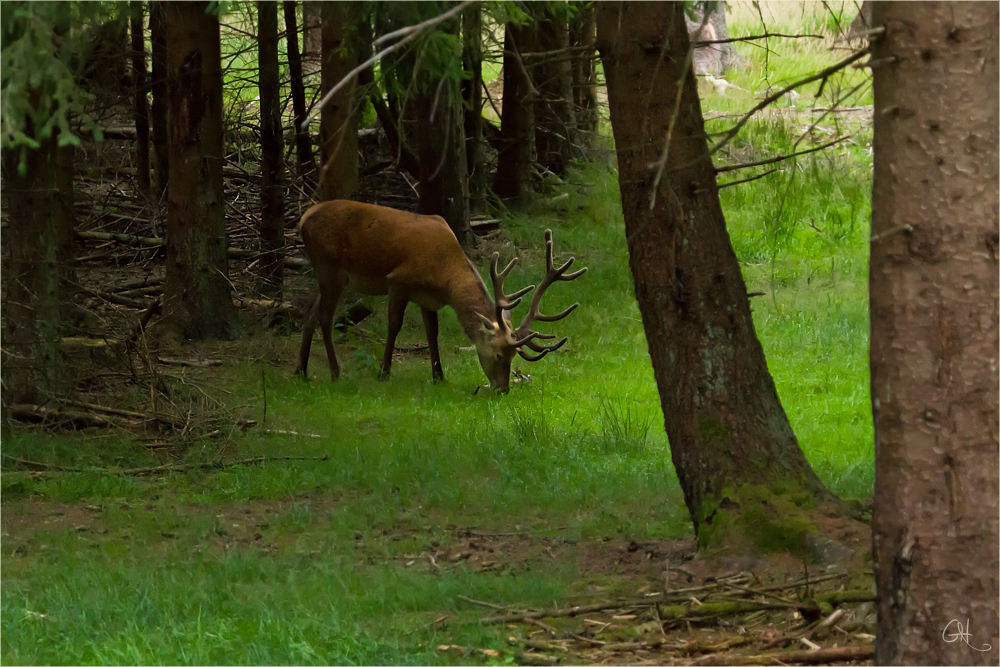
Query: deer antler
[504,301]
[524,334]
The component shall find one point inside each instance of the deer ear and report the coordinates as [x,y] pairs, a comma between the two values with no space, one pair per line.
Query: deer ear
[489,324]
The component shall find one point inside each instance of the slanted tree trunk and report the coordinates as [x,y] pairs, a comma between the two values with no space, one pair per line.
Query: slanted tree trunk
[934,332]
[338,176]
[270,269]
[739,464]
[38,270]
[472,94]
[161,160]
[140,103]
[197,296]
[583,31]
[513,177]
[552,75]
[303,144]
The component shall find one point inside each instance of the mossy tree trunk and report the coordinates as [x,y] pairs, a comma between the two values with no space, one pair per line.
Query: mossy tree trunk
[513,178]
[303,144]
[338,175]
[934,332]
[270,271]
[197,295]
[730,440]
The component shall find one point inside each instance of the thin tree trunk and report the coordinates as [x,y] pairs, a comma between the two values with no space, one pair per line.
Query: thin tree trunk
[583,32]
[513,178]
[338,120]
[472,94]
[312,31]
[140,103]
[555,120]
[161,159]
[270,269]
[739,463]
[197,295]
[444,188]
[303,144]
[934,332]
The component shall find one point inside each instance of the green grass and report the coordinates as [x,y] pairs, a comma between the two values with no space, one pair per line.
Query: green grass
[578,452]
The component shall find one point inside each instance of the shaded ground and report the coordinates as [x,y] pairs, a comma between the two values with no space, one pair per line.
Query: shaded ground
[637,602]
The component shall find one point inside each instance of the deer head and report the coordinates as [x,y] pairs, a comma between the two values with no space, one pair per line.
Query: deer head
[499,340]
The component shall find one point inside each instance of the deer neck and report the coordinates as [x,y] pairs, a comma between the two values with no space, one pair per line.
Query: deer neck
[470,300]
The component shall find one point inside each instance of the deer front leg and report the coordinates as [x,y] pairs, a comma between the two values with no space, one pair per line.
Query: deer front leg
[431,327]
[308,328]
[397,307]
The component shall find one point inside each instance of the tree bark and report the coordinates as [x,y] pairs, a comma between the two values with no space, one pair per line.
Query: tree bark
[338,177]
[472,94]
[312,31]
[513,177]
[303,144]
[140,103]
[934,332]
[161,160]
[38,269]
[552,75]
[739,463]
[444,185]
[582,34]
[197,295]
[270,269]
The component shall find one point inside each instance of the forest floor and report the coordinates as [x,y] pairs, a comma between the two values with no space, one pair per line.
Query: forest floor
[196,504]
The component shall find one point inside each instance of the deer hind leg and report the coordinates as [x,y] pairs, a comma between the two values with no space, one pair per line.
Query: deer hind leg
[431,327]
[397,307]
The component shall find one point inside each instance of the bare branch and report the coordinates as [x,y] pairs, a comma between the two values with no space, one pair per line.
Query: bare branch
[823,74]
[410,32]
[734,167]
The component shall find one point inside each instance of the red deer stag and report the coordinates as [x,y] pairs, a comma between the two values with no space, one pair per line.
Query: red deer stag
[410,257]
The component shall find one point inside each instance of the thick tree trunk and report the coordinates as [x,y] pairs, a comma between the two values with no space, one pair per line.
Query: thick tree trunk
[934,337]
[338,178]
[270,269]
[139,100]
[513,178]
[583,31]
[303,144]
[197,295]
[161,160]
[552,75]
[37,271]
[472,94]
[739,463]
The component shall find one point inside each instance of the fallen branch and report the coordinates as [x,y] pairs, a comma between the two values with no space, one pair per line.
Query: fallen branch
[822,656]
[196,363]
[39,414]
